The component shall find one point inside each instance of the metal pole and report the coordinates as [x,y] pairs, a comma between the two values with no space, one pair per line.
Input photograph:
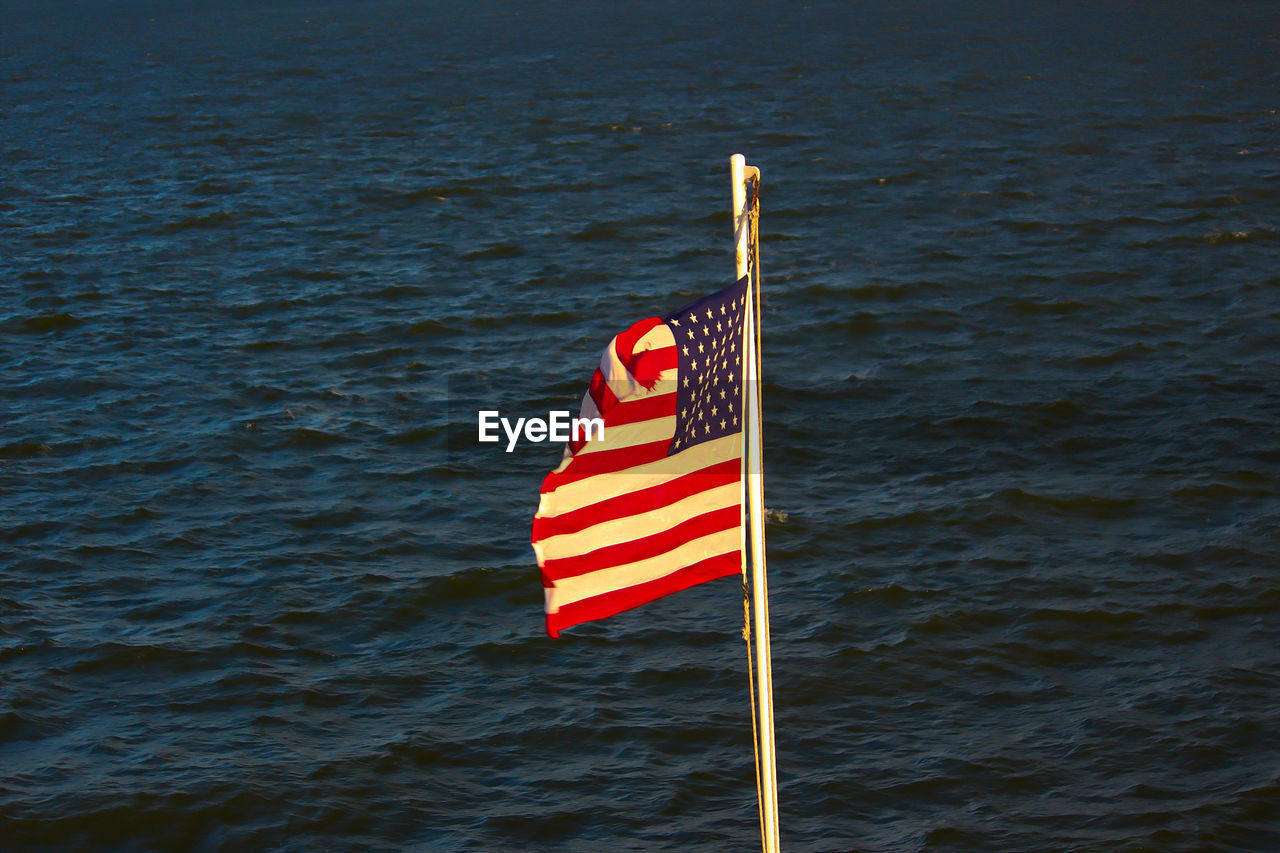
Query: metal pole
[753,454]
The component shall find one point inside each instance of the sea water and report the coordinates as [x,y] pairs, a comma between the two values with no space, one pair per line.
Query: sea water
[1022,387]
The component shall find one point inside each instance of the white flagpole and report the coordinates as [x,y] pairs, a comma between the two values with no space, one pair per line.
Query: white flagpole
[755,502]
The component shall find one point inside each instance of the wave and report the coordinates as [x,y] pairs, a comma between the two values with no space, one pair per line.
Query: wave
[216,220]
[41,324]
[500,251]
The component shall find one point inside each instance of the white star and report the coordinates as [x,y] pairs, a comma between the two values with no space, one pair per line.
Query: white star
[684,350]
[694,364]
[693,318]
[675,322]
[722,424]
[710,316]
[701,348]
[690,334]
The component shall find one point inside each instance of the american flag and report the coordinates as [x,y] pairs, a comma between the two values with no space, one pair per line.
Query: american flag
[656,506]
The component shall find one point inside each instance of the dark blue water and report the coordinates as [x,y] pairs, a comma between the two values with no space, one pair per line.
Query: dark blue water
[1022,352]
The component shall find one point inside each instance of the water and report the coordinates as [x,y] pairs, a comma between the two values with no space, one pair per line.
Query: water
[1022,350]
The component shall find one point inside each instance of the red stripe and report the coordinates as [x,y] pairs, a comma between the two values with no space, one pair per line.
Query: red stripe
[645,547]
[602,606]
[648,365]
[607,462]
[601,394]
[624,343]
[654,497]
[645,364]
[634,411]
[640,409]
[606,398]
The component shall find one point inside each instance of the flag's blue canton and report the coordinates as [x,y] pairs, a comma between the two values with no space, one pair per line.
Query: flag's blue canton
[708,337]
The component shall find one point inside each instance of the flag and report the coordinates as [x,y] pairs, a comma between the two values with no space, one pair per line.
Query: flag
[656,505]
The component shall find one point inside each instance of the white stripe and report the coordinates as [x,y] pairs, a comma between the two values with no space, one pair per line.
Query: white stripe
[665,386]
[617,436]
[569,590]
[624,385]
[620,409]
[659,337]
[570,496]
[588,409]
[630,435]
[631,528]
[628,388]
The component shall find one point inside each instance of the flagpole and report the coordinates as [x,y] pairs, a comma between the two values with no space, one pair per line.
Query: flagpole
[747,257]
